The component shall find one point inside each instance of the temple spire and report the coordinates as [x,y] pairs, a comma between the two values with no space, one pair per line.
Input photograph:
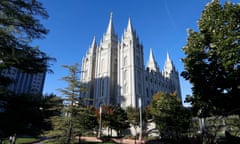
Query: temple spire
[129,27]
[152,64]
[93,46]
[110,29]
[168,67]
[168,57]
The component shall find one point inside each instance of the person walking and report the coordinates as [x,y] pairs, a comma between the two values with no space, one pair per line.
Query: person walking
[14,139]
[10,140]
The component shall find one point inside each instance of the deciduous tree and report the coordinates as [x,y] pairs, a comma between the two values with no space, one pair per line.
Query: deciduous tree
[212,62]
[169,114]
[133,117]
[119,120]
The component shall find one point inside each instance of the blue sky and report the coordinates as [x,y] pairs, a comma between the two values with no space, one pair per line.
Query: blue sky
[160,24]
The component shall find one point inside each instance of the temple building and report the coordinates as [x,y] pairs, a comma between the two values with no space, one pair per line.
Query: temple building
[114,73]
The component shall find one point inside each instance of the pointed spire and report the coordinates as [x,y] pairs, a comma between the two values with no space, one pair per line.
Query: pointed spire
[168,57]
[94,43]
[110,29]
[152,64]
[129,27]
[93,47]
[168,67]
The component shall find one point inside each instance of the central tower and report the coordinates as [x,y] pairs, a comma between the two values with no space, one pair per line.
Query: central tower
[106,68]
[130,68]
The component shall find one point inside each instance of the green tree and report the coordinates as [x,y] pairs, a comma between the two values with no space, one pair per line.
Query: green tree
[133,116]
[169,114]
[114,117]
[88,120]
[55,121]
[72,100]
[212,62]
[51,107]
[65,126]
[107,114]
[19,26]
[118,120]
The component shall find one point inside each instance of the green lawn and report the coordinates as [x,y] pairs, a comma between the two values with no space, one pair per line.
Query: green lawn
[98,143]
[30,140]
[22,140]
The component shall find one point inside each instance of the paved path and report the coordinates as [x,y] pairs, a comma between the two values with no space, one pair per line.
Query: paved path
[116,140]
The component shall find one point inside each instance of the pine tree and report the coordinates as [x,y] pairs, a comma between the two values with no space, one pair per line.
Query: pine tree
[65,126]
[212,62]
[72,101]
[19,26]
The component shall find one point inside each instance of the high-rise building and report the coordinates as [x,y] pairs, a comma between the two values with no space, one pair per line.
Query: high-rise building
[114,71]
[24,83]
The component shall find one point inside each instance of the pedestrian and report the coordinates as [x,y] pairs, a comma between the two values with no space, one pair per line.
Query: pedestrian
[10,140]
[14,139]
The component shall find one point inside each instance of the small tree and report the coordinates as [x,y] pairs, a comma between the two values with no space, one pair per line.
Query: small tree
[107,113]
[51,108]
[169,114]
[66,126]
[119,120]
[87,120]
[55,121]
[133,117]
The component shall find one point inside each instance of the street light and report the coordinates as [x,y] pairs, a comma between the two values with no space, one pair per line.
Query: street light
[100,122]
[140,116]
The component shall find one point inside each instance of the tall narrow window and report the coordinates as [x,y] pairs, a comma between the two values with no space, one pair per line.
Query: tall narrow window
[138,61]
[139,88]
[125,60]
[103,67]
[102,87]
[147,92]
[124,74]
[125,88]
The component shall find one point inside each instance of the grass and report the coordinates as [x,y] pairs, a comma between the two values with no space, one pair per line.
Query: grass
[97,143]
[21,140]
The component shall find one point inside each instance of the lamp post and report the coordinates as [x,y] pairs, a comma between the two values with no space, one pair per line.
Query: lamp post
[140,117]
[100,122]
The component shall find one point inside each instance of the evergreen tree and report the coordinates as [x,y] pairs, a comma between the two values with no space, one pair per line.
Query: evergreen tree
[55,125]
[51,107]
[72,101]
[65,126]
[87,122]
[212,62]
[19,26]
